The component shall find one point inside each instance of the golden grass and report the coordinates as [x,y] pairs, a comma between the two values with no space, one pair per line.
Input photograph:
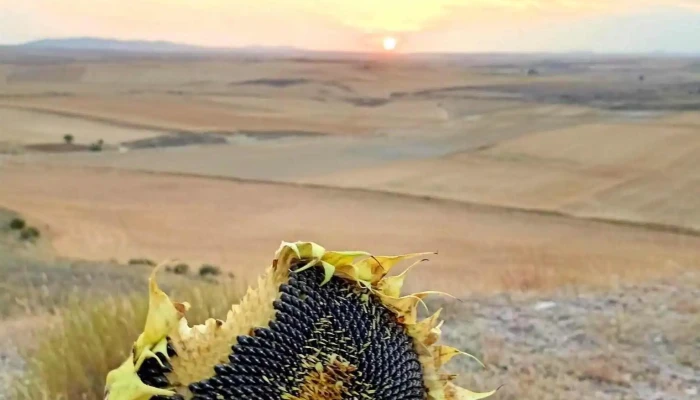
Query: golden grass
[89,338]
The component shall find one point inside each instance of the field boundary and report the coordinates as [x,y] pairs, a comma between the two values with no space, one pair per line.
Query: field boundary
[640,225]
[90,118]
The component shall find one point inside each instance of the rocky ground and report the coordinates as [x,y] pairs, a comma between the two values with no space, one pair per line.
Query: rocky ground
[634,342]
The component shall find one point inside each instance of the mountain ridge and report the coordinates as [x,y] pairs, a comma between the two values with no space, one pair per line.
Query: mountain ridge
[110,44]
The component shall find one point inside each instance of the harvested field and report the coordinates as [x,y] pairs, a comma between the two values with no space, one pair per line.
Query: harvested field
[562,196]
[643,173]
[495,138]
[98,214]
[31,128]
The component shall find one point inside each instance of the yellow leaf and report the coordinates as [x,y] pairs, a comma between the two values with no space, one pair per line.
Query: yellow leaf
[378,266]
[338,258]
[368,271]
[429,292]
[422,331]
[346,271]
[124,383]
[310,250]
[163,316]
[329,270]
[405,307]
[391,285]
[285,255]
[454,392]
[443,354]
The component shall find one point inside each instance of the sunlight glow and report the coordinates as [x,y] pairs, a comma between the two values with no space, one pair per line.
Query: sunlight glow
[389,43]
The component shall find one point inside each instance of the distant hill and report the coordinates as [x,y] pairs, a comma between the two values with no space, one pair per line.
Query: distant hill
[91,47]
[147,46]
[102,44]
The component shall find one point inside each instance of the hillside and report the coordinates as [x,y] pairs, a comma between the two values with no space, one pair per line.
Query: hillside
[147,46]
[93,43]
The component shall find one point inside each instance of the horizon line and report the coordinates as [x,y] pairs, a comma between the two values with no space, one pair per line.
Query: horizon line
[207,48]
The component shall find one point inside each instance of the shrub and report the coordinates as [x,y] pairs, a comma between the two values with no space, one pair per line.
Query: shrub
[181,269]
[208,269]
[97,146]
[90,338]
[29,233]
[142,261]
[17,223]
[68,138]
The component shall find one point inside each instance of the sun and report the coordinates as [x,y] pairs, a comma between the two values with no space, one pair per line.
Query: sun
[389,43]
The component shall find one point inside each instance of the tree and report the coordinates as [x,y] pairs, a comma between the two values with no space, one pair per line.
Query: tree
[68,138]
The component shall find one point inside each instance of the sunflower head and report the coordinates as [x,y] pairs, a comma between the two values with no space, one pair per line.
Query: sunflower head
[320,324]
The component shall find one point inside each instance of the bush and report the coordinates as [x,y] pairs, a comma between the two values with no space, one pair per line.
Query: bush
[142,261]
[29,233]
[68,138]
[181,269]
[90,338]
[208,269]
[17,224]
[97,146]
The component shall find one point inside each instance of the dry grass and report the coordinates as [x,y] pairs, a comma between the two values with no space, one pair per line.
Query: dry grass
[73,321]
[32,286]
[604,368]
[70,356]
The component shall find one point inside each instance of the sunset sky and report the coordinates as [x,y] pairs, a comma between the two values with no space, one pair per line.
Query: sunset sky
[418,25]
